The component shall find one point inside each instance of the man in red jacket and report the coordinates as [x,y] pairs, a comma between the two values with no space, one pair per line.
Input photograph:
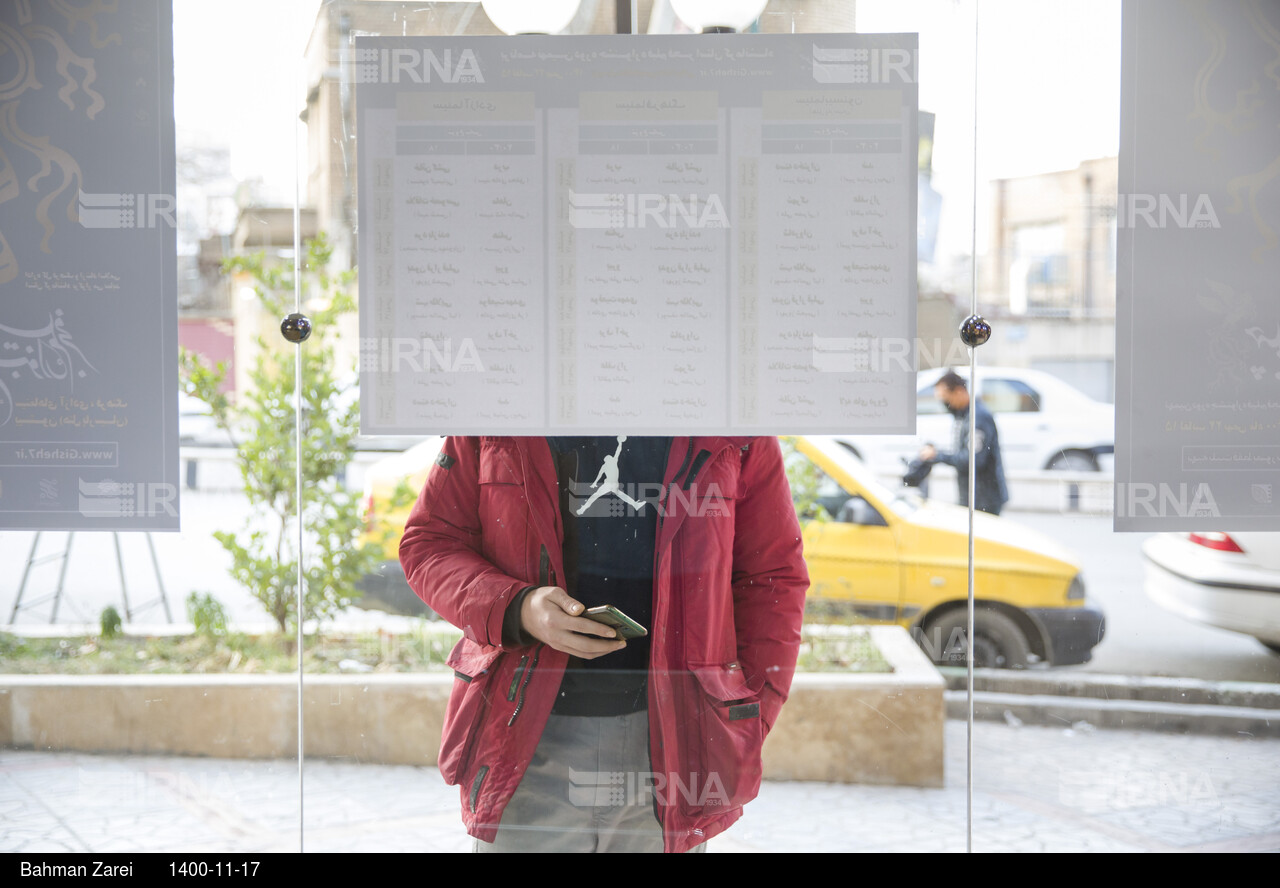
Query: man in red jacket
[560,735]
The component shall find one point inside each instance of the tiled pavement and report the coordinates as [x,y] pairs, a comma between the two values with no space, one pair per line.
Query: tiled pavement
[1036,789]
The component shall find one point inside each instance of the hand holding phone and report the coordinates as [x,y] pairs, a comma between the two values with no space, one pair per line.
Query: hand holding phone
[610,616]
[553,617]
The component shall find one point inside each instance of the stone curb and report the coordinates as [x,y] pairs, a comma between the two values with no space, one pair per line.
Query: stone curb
[1090,686]
[1169,705]
[1142,715]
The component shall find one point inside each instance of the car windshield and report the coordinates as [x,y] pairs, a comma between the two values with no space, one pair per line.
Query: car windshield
[903,502]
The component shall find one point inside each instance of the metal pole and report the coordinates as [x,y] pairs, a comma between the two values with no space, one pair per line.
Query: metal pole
[973,394]
[155,563]
[26,571]
[62,576]
[297,388]
[299,89]
[124,589]
[973,463]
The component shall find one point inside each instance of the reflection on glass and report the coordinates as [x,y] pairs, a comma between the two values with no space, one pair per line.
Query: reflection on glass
[122,726]
[182,736]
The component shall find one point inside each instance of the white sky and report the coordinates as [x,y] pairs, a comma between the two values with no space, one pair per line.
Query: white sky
[236,82]
[1049,90]
[1048,97]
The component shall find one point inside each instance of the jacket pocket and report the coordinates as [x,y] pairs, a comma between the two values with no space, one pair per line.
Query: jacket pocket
[473,670]
[501,505]
[724,755]
[711,486]
[499,465]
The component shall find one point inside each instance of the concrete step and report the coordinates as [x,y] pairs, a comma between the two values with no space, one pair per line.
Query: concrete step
[1089,686]
[1083,713]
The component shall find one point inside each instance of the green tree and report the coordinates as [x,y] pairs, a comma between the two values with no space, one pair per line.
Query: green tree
[264,554]
[805,479]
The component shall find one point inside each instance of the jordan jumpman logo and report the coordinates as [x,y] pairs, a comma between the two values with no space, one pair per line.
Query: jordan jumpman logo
[609,471]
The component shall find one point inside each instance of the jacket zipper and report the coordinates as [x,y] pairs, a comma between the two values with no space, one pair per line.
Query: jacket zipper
[476,784]
[698,462]
[515,679]
[537,652]
[666,496]
[545,573]
[657,562]
[546,577]
[664,502]
[469,755]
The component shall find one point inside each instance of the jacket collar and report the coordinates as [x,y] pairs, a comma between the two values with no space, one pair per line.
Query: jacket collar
[685,454]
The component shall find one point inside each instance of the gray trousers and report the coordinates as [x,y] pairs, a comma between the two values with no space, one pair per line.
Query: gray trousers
[588,789]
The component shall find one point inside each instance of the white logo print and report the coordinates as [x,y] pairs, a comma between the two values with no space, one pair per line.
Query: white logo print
[112,210]
[609,471]
[868,65]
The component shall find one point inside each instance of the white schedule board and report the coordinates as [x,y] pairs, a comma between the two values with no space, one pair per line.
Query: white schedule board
[1198,269]
[704,234]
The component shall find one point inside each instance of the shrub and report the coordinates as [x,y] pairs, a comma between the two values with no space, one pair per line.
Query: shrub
[109,623]
[207,614]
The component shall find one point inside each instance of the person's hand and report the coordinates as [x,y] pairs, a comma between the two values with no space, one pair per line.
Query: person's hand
[551,616]
[928,452]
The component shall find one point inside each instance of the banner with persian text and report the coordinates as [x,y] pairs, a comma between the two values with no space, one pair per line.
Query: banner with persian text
[88,309]
[1198,268]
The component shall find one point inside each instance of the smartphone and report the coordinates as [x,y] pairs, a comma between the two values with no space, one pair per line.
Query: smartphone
[609,615]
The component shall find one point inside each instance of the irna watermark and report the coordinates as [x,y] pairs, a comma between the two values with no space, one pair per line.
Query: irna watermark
[1144,499]
[889,64]
[112,210]
[885,354]
[412,65]
[1099,791]
[1162,210]
[609,499]
[616,789]
[127,499]
[408,354]
[646,210]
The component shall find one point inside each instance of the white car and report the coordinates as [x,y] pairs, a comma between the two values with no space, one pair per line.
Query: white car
[196,425]
[1231,581]
[1043,423]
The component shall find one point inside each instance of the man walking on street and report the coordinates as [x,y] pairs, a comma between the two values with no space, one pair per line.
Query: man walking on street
[990,490]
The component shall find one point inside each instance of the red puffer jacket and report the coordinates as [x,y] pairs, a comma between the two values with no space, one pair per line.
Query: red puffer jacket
[729,591]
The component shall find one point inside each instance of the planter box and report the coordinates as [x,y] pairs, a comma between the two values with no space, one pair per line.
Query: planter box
[841,728]
[867,728]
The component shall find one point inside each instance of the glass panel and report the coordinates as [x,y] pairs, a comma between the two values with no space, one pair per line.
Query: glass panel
[376,679]
[361,731]
[1131,747]
[1153,735]
[147,703]
[1069,755]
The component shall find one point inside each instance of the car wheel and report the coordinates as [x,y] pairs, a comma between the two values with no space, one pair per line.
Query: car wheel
[999,642]
[1073,461]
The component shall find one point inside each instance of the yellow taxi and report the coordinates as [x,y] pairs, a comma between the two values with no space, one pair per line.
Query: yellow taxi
[391,486]
[890,556]
[875,555]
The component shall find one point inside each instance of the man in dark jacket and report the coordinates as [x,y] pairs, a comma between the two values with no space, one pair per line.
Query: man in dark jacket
[990,491]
